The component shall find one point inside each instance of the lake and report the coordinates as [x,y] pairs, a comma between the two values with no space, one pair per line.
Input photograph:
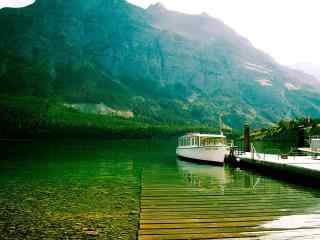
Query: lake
[95,189]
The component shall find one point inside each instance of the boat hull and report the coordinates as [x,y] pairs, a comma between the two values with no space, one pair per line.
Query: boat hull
[213,155]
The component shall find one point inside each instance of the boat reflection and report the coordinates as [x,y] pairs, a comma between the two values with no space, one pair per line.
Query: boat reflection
[205,176]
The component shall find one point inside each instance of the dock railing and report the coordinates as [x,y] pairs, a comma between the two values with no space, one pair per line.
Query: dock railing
[272,152]
[255,153]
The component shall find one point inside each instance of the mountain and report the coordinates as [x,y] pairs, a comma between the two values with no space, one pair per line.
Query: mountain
[161,65]
[309,68]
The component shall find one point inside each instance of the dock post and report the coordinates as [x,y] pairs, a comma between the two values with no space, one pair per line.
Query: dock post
[246,138]
[300,137]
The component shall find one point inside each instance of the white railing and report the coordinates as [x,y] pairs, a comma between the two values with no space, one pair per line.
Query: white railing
[255,153]
[276,154]
[260,156]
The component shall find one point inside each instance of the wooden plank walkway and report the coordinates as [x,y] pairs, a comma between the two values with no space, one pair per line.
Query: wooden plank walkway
[172,208]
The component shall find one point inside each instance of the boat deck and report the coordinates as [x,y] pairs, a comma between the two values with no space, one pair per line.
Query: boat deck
[187,210]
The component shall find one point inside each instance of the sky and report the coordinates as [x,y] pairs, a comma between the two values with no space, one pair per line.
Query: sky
[288,30]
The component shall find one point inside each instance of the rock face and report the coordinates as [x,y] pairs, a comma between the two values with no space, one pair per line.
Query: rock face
[162,65]
[100,109]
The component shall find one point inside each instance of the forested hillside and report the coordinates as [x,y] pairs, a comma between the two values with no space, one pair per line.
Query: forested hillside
[161,66]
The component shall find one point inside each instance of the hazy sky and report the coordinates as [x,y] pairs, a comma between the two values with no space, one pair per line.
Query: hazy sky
[286,29]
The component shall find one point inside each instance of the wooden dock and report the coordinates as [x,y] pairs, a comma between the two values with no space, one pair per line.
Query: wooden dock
[198,207]
[308,166]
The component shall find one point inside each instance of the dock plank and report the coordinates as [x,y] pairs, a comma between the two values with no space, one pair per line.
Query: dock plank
[201,225]
[210,230]
[199,236]
[180,210]
[273,234]
[211,220]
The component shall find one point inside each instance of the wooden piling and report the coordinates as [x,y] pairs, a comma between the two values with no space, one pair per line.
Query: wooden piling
[300,137]
[246,138]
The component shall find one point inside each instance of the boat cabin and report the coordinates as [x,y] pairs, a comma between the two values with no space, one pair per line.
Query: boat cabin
[201,140]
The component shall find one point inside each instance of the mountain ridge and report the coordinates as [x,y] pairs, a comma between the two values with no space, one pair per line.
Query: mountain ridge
[134,59]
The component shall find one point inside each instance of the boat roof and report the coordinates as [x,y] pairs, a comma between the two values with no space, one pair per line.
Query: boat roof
[204,135]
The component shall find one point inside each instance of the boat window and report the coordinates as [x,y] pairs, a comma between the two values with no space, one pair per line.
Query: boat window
[220,141]
[211,141]
[202,141]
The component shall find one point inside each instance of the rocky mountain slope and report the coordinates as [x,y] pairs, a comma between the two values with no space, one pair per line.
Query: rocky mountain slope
[161,65]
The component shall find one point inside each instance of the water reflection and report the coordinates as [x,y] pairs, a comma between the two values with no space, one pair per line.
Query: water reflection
[201,175]
[92,190]
[297,234]
[205,201]
[309,223]
[295,221]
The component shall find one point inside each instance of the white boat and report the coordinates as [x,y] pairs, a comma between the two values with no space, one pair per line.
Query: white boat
[209,148]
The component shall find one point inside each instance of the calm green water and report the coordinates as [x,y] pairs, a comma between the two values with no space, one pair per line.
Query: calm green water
[91,189]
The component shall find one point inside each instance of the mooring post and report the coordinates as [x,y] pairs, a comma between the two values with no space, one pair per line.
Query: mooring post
[300,137]
[246,138]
